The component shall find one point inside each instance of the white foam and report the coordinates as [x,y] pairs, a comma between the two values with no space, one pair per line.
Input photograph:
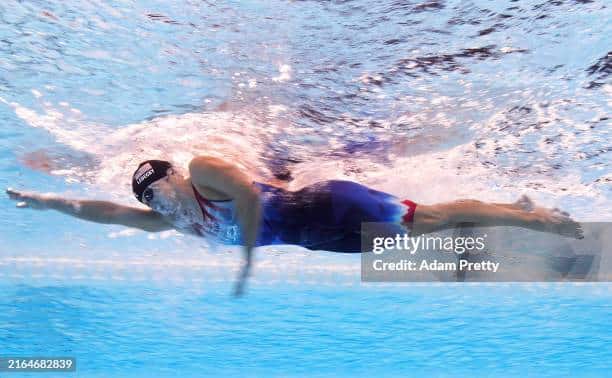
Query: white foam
[427,176]
[284,71]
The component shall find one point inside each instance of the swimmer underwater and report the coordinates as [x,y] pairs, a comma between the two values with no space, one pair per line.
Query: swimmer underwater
[220,201]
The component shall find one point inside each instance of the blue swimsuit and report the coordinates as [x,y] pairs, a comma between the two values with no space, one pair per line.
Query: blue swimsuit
[322,216]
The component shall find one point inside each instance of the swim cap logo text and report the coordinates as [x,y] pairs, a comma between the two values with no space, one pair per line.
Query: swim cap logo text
[144,172]
[144,176]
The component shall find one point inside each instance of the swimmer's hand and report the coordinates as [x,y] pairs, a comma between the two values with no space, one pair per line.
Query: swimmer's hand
[244,273]
[28,199]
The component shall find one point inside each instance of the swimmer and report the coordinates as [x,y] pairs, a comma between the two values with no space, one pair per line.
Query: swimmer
[220,201]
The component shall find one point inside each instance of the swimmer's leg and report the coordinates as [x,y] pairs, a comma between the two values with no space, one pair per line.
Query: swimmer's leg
[519,214]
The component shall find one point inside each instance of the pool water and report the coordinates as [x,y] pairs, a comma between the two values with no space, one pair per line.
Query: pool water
[167,329]
[428,100]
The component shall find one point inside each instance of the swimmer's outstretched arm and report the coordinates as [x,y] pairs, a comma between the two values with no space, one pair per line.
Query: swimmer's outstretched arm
[224,177]
[94,211]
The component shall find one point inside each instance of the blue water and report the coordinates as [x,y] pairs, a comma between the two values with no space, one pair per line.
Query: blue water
[305,330]
[428,100]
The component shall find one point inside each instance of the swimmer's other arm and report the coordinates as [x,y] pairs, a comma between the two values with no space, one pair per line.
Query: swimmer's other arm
[224,177]
[94,211]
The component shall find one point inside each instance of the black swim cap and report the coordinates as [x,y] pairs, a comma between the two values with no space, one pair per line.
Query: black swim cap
[147,173]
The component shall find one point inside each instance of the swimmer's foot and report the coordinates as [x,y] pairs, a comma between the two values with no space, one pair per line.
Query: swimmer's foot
[524,203]
[557,222]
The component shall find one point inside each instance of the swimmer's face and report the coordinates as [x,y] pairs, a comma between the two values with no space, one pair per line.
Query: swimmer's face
[161,195]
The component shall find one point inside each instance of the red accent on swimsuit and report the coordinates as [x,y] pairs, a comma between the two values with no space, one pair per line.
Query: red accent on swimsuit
[204,202]
[408,218]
